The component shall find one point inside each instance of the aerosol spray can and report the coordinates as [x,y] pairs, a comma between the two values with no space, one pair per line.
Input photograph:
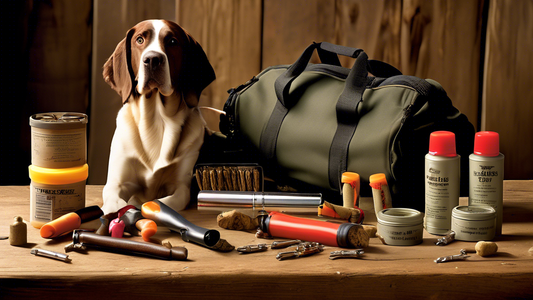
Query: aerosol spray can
[442,172]
[486,174]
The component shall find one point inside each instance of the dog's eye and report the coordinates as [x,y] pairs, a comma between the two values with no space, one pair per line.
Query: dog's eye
[173,42]
[140,40]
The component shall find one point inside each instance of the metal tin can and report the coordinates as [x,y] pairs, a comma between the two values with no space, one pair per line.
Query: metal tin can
[59,139]
[474,223]
[400,226]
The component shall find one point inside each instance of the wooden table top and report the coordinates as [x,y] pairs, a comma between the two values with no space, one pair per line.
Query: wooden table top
[384,271]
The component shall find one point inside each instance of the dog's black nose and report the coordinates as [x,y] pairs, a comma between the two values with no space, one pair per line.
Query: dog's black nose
[153,59]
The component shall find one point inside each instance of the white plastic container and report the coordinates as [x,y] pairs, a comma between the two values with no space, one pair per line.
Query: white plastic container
[442,182]
[58,140]
[486,174]
[400,226]
[55,192]
[473,223]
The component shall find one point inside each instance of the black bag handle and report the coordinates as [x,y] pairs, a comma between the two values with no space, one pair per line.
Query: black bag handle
[284,81]
[376,67]
[346,107]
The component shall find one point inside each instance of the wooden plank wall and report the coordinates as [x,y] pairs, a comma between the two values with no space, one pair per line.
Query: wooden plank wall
[508,83]
[477,49]
[46,68]
[112,19]
[230,34]
[438,39]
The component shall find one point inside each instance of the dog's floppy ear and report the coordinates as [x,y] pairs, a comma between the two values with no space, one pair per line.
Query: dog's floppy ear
[198,71]
[118,72]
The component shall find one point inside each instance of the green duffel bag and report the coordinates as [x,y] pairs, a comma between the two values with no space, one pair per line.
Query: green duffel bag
[312,122]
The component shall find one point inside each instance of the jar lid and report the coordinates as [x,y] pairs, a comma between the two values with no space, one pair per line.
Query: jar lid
[474,213]
[59,120]
[59,176]
[400,217]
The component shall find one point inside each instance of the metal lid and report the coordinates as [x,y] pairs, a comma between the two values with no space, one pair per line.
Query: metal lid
[474,213]
[400,217]
[59,120]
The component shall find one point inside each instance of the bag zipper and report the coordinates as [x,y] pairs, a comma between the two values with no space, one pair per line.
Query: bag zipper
[228,121]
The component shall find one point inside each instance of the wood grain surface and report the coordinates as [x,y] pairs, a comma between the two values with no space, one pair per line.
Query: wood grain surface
[507,85]
[230,34]
[383,272]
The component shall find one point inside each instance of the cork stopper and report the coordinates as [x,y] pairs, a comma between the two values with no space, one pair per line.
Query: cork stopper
[18,233]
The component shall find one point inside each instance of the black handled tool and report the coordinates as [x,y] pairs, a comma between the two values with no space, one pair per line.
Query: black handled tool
[82,239]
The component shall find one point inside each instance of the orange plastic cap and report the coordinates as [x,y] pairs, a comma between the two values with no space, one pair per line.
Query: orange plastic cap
[379,178]
[350,177]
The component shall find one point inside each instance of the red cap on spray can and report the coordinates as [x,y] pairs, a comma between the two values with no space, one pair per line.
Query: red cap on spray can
[487,143]
[442,143]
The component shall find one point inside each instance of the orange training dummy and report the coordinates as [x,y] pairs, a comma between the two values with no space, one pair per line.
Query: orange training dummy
[67,223]
[350,189]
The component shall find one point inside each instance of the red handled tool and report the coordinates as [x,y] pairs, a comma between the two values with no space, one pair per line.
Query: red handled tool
[284,226]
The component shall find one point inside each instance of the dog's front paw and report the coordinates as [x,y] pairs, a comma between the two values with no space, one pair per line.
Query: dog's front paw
[177,201]
[113,206]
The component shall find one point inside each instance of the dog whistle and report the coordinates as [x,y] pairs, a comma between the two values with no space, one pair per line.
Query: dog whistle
[50,254]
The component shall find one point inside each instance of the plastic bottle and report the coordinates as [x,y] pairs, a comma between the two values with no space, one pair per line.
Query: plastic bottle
[486,174]
[442,182]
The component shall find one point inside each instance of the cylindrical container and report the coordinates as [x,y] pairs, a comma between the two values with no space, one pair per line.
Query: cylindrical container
[442,182]
[486,174]
[290,227]
[400,226]
[351,184]
[55,192]
[257,201]
[380,192]
[18,232]
[474,223]
[58,140]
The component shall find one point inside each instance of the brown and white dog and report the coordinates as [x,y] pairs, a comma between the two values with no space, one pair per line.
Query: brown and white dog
[159,70]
